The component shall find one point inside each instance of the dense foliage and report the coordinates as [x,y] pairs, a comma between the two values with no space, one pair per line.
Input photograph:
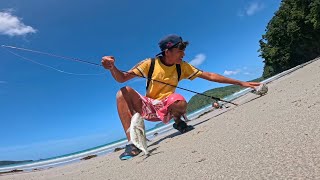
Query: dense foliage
[292,36]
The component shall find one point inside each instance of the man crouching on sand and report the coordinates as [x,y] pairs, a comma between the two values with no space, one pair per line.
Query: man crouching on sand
[160,102]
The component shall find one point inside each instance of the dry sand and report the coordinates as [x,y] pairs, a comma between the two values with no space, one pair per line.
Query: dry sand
[276,136]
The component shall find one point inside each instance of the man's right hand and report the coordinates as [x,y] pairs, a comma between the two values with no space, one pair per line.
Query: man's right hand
[108,62]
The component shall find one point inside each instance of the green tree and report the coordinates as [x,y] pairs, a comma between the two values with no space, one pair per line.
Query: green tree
[292,36]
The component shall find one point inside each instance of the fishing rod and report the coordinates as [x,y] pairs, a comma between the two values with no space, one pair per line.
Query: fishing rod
[96,64]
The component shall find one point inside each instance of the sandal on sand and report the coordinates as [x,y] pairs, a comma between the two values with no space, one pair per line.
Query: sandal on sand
[130,151]
[182,127]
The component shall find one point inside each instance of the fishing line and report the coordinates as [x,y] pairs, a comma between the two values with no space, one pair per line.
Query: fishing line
[50,67]
[95,64]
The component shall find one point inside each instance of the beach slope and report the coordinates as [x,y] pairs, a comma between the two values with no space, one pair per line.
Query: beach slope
[276,136]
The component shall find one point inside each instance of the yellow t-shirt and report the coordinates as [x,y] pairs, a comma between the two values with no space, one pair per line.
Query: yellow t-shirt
[166,74]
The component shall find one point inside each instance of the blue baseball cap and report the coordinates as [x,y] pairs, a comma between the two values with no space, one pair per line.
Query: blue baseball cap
[171,41]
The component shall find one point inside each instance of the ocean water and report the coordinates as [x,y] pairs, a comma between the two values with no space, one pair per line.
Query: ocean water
[109,147]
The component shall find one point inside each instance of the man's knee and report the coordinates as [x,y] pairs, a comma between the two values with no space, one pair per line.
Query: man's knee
[127,95]
[124,91]
[179,104]
[178,108]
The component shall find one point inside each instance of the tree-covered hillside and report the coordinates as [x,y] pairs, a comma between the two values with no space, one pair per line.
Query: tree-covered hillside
[292,36]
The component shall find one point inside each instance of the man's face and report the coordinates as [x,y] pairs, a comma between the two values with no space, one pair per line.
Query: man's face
[175,55]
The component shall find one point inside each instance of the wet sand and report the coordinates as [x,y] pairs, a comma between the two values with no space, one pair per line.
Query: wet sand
[276,136]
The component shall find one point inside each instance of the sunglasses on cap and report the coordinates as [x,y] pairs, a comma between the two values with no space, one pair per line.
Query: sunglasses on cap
[180,45]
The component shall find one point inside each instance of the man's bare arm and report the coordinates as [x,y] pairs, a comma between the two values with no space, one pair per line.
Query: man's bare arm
[222,79]
[108,63]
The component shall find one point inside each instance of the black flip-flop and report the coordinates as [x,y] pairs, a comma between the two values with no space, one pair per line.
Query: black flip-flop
[182,127]
[130,151]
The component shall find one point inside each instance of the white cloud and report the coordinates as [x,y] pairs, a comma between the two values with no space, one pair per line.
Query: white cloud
[248,71]
[253,8]
[12,25]
[198,60]
[229,73]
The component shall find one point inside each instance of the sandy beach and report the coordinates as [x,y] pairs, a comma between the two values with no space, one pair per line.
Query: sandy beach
[276,136]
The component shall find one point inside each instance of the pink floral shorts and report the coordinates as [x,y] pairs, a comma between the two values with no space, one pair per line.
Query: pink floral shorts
[155,110]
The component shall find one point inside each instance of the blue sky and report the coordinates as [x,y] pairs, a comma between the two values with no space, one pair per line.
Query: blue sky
[45,112]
